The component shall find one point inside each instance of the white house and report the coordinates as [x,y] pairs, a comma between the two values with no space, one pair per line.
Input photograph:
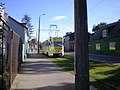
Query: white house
[22,31]
[67,43]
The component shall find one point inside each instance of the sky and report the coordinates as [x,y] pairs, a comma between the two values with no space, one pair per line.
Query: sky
[61,14]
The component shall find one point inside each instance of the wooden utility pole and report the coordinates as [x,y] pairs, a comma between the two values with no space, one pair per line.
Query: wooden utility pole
[81,46]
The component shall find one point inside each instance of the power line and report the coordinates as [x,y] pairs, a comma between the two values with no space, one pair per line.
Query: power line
[67,7]
[96,5]
[89,9]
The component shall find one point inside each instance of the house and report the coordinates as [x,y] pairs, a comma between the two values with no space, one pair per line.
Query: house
[22,30]
[106,40]
[66,43]
[33,44]
[11,49]
[69,41]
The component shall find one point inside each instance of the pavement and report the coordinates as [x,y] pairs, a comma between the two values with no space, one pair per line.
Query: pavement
[41,74]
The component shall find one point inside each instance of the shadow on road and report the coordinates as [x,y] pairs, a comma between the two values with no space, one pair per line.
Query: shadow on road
[39,67]
[36,55]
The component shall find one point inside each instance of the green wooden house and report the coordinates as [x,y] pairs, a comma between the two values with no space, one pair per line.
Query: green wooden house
[106,41]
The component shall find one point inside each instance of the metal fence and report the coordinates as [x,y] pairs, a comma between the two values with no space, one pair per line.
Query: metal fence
[11,55]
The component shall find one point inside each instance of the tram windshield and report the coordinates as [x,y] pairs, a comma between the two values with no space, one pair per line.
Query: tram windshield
[57,43]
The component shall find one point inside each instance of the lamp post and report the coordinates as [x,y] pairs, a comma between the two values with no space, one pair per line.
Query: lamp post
[39,33]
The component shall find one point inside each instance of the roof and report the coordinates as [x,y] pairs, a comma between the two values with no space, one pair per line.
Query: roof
[116,30]
[24,24]
[21,24]
[113,30]
[17,22]
[72,36]
[68,34]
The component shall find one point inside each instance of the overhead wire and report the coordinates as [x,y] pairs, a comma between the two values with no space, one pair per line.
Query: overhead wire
[91,8]
[67,7]
[96,5]
[64,11]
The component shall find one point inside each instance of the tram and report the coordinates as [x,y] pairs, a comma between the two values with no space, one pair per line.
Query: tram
[53,46]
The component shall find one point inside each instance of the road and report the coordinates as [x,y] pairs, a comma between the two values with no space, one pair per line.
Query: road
[102,58]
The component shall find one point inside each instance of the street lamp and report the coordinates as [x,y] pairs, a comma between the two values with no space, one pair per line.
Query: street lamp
[39,33]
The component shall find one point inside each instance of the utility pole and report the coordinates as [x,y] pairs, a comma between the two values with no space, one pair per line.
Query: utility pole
[39,32]
[81,46]
[39,36]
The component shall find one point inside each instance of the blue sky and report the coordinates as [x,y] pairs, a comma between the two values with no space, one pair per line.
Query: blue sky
[61,13]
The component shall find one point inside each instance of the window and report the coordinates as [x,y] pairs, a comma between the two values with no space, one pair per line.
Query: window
[112,45]
[104,33]
[57,43]
[98,46]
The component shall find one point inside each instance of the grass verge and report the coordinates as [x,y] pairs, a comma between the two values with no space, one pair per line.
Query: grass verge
[102,71]
[65,63]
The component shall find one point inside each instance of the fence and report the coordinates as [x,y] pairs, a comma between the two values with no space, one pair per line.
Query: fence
[11,55]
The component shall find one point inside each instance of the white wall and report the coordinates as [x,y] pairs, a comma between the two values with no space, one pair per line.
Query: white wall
[22,32]
[17,28]
[66,43]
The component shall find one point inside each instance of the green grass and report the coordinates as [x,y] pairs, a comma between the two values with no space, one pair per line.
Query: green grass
[68,57]
[105,72]
[102,71]
[66,64]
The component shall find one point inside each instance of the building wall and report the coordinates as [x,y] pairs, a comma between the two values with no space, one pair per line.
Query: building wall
[15,26]
[72,45]
[103,46]
[22,32]
[26,50]
[66,43]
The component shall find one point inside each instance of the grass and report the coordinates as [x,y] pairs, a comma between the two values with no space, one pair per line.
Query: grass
[65,63]
[102,71]
[68,57]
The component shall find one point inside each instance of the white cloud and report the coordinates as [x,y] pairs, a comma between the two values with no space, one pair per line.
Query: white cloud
[58,18]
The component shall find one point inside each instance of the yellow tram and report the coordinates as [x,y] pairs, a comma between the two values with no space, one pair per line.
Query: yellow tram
[53,46]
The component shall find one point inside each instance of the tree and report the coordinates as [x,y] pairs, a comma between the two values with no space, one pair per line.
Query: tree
[27,19]
[97,27]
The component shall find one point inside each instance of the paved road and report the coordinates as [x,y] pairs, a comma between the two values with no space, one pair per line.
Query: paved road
[105,58]
[101,58]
